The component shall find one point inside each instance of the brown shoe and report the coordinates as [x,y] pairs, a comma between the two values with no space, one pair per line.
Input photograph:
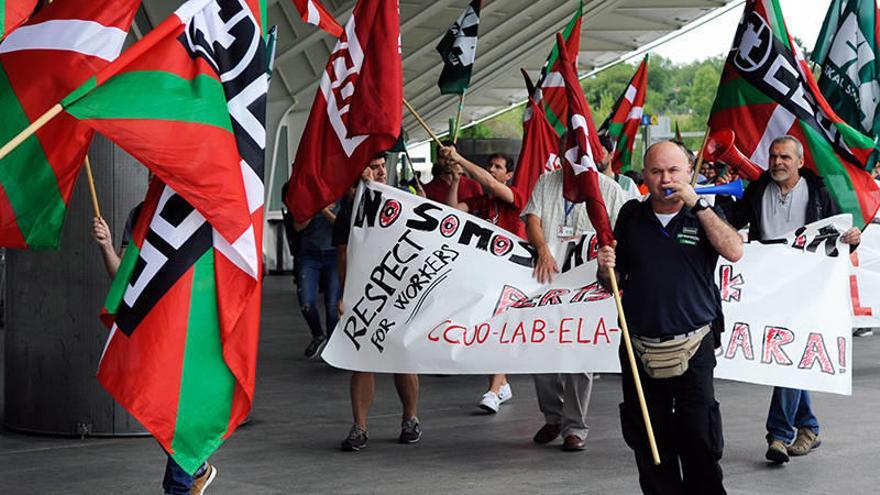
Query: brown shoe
[572,443]
[201,483]
[806,441]
[546,434]
[777,452]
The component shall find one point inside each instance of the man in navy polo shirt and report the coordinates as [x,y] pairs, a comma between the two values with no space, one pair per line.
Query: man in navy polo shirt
[665,254]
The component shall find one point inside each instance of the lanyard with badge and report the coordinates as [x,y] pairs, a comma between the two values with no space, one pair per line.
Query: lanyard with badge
[566,231]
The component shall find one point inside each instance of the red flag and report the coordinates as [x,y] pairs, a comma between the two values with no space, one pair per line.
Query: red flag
[357,111]
[313,12]
[582,151]
[537,155]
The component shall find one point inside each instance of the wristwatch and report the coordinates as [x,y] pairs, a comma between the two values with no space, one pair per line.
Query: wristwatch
[699,206]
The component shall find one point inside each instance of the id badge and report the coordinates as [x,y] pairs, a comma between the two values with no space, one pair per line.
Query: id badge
[565,232]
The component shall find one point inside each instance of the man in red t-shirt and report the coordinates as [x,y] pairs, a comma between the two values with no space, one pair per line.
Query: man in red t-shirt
[501,206]
[438,188]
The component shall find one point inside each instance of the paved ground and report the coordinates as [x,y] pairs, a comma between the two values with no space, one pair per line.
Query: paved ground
[302,413]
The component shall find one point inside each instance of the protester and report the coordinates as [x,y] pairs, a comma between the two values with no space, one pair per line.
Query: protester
[708,171]
[363,384]
[563,398]
[637,178]
[497,206]
[785,198]
[176,480]
[665,254]
[629,187]
[316,268]
[438,189]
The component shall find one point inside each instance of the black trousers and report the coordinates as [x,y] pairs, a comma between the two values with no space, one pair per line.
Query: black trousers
[687,426]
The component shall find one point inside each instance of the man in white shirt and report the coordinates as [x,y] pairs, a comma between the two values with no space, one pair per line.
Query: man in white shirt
[563,398]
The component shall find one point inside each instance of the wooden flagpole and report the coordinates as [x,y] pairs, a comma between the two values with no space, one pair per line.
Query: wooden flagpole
[30,130]
[699,163]
[458,118]
[634,367]
[418,118]
[92,190]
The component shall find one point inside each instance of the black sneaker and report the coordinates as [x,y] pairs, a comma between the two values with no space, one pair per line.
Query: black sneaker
[357,439]
[314,348]
[410,430]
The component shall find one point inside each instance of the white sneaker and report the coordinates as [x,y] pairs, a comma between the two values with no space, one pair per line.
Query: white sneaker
[490,402]
[505,393]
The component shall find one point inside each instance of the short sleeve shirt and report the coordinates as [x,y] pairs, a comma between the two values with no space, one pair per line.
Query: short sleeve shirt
[438,190]
[493,210]
[629,187]
[548,203]
[667,272]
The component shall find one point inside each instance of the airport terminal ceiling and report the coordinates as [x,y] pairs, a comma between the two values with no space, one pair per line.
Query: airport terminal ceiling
[513,34]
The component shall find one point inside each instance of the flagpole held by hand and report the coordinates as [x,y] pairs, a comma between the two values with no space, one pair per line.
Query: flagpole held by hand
[92,190]
[699,163]
[422,122]
[634,367]
[458,118]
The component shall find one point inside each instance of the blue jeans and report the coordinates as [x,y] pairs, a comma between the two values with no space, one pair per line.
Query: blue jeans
[177,481]
[790,409]
[318,270]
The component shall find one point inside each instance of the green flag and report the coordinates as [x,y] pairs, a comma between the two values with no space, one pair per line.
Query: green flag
[459,49]
[847,50]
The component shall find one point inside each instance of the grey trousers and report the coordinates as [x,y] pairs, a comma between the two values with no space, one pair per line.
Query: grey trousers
[564,398]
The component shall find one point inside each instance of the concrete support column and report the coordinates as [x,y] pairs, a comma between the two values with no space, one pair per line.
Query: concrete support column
[54,339]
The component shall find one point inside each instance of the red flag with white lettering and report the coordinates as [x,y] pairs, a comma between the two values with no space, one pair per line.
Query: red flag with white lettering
[313,12]
[582,151]
[357,111]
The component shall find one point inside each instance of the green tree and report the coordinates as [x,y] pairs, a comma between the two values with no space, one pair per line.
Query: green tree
[701,93]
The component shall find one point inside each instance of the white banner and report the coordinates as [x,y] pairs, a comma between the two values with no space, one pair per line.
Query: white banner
[865,279]
[430,289]
[787,312]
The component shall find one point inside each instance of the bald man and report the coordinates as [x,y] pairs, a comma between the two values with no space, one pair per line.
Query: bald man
[665,256]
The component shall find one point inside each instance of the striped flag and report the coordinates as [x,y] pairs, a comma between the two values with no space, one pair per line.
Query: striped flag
[768,90]
[623,123]
[40,62]
[313,12]
[184,307]
[13,13]
[550,89]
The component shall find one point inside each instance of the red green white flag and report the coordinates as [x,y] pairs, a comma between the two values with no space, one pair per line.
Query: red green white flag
[623,123]
[185,304]
[550,89]
[13,13]
[767,90]
[41,62]
[164,101]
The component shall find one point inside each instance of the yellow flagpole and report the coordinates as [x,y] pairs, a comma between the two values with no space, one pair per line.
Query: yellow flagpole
[634,368]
